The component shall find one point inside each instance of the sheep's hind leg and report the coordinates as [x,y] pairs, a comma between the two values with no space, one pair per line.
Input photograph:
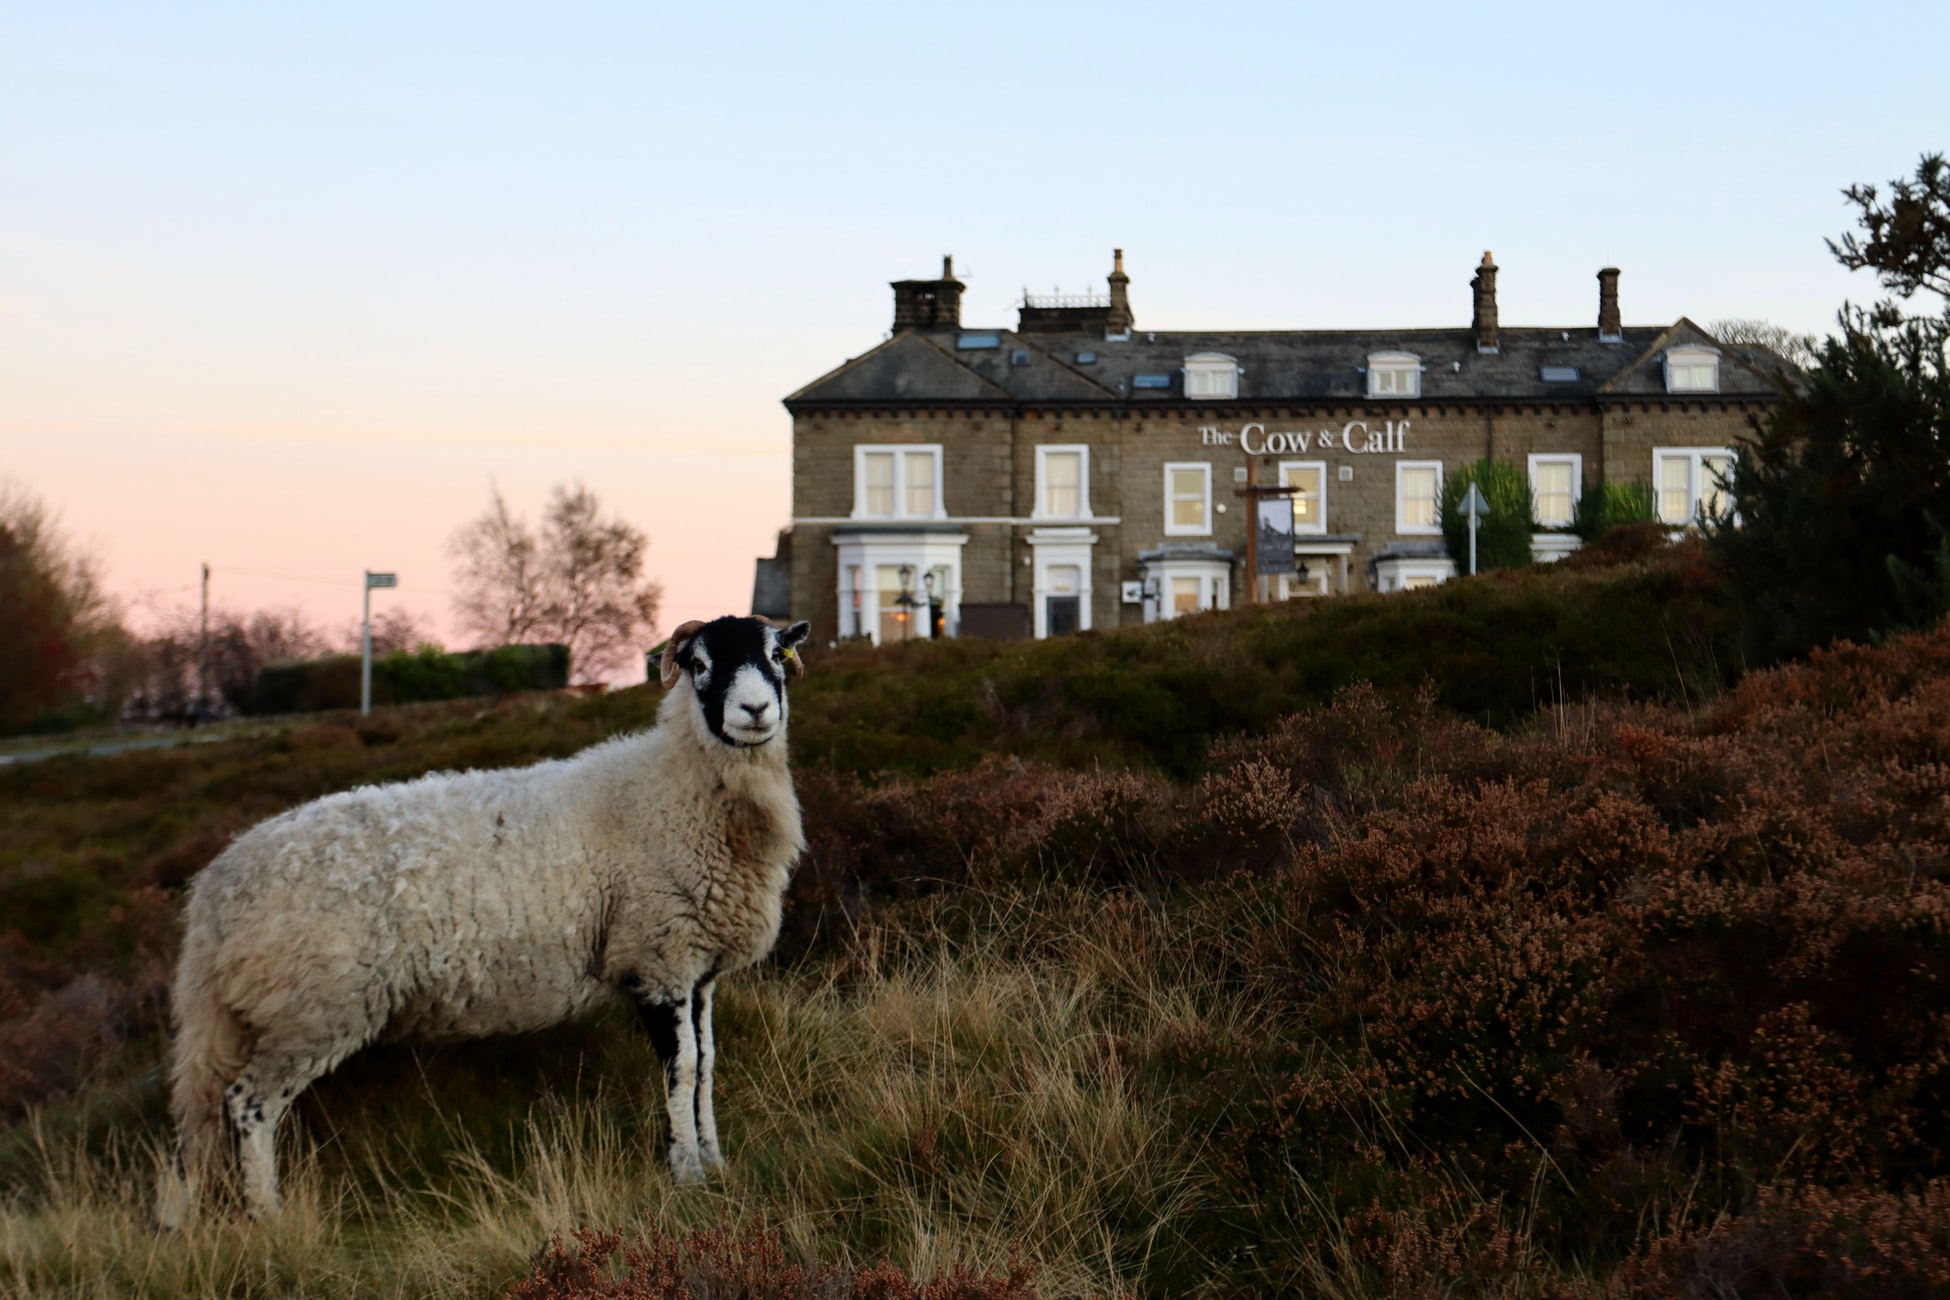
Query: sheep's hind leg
[707,1061]
[673,1033]
[255,1104]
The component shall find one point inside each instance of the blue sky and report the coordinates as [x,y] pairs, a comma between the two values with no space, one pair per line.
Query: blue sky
[285,288]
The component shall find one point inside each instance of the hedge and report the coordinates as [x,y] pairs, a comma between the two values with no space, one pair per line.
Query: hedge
[309,685]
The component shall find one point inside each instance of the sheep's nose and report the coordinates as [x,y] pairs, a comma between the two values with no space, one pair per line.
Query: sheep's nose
[756,710]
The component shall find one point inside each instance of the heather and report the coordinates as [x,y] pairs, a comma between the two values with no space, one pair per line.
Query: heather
[1624,991]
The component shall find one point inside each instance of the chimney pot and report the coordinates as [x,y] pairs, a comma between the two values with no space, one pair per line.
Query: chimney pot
[929,304]
[1484,320]
[1120,319]
[1610,329]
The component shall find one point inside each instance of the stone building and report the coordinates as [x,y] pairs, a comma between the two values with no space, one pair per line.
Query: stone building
[1080,472]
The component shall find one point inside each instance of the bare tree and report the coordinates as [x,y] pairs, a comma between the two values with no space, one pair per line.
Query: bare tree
[499,576]
[1801,350]
[580,581]
[240,646]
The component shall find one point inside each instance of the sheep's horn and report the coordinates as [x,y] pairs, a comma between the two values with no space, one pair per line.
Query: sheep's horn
[667,665]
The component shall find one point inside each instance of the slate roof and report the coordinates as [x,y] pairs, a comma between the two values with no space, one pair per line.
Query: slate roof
[1296,366]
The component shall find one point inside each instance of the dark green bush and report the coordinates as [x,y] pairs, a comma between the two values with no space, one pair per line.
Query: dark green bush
[429,673]
[1610,505]
[1503,536]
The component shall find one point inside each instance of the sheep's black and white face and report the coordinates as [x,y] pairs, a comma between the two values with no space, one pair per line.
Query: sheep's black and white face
[738,669]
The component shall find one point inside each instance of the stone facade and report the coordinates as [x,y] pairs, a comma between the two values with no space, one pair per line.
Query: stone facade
[974,406]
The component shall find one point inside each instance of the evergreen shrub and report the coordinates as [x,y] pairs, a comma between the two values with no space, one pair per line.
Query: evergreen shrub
[1610,505]
[1503,536]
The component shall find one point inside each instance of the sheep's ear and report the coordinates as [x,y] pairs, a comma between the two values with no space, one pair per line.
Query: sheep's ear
[789,641]
[671,662]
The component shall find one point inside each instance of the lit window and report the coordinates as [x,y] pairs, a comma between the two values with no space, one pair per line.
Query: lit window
[1692,369]
[1211,375]
[920,483]
[1394,374]
[878,474]
[1188,499]
[897,482]
[1309,479]
[1185,596]
[1418,496]
[1691,481]
[897,615]
[1178,587]
[1556,482]
[1062,482]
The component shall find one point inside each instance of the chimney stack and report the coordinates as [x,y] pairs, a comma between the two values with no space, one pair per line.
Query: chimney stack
[1120,319]
[1609,328]
[1484,322]
[929,304]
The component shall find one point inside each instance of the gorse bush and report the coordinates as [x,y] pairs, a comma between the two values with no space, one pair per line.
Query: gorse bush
[1503,535]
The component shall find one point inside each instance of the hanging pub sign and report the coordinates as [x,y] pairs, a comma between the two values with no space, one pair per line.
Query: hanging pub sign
[1276,535]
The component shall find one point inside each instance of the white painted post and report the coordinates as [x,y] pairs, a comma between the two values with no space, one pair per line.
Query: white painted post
[365,638]
[1474,507]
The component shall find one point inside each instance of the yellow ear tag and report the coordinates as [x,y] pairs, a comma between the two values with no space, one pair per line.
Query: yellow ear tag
[791,656]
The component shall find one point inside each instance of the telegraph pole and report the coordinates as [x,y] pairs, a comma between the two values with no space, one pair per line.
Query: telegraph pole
[203,650]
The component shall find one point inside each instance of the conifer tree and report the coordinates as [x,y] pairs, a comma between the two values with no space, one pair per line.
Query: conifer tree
[1843,525]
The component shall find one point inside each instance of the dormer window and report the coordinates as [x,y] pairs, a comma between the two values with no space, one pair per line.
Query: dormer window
[1693,369]
[1211,375]
[1394,374]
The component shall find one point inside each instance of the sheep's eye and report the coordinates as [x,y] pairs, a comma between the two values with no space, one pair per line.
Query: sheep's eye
[778,656]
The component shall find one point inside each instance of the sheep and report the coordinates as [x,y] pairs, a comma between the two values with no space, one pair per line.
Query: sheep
[465,904]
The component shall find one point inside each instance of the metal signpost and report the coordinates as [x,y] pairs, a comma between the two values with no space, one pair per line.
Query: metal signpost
[1474,508]
[365,638]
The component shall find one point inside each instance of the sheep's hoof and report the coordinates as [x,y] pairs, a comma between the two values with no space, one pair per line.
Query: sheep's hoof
[686,1168]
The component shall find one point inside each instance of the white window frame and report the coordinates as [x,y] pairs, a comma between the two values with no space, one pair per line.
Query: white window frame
[1402,527]
[1405,574]
[1215,586]
[1211,377]
[1399,364]
[1183,530]
[1576,461]
[861,555]
[1320,467]
[1687,356]
[901,451]
[1695,458]
[1041,510]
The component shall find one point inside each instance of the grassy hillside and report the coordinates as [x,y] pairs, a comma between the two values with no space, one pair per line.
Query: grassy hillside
[1233,981]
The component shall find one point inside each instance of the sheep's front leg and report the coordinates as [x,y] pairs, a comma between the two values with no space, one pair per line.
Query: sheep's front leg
[707,1060]
[673,1032]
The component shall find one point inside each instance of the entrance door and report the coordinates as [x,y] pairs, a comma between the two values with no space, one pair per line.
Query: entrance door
[1063,605]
